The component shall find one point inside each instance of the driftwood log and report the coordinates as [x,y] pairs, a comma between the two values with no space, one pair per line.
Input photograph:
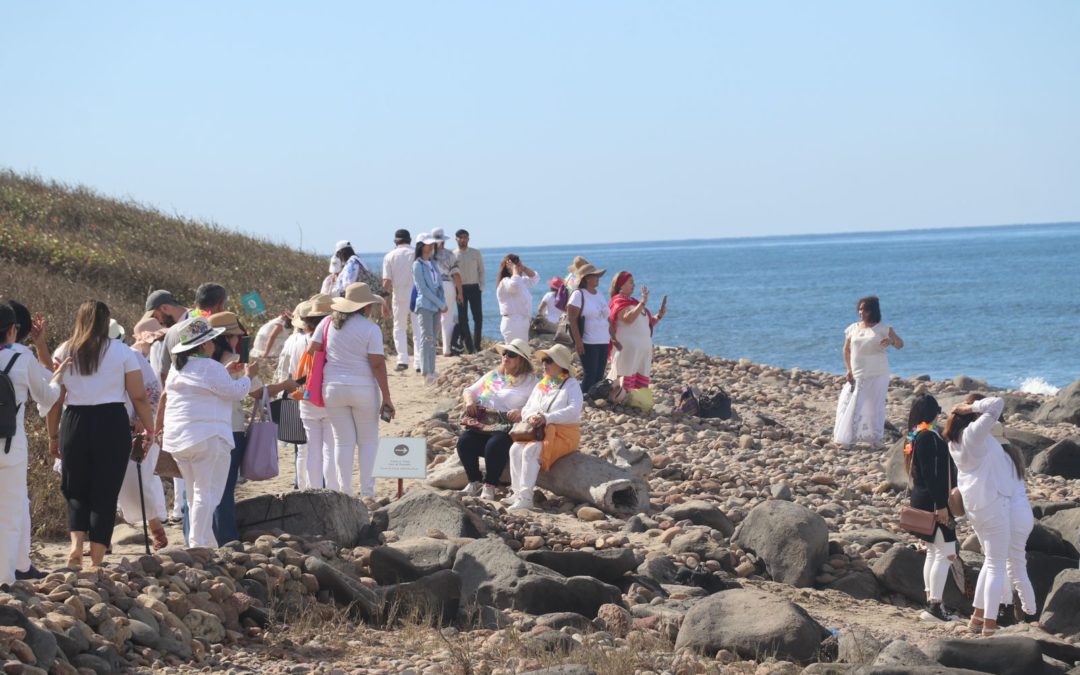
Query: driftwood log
[618,489]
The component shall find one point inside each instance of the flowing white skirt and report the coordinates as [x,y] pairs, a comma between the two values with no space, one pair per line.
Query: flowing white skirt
[860,413]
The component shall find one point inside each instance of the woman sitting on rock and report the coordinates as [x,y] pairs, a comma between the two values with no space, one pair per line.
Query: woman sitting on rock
[200,393]
[991,480]
[494,402]
[932,472]
[555,404]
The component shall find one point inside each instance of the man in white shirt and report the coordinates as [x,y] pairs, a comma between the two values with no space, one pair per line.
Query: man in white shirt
[446,261]
[397,279]
[471,269]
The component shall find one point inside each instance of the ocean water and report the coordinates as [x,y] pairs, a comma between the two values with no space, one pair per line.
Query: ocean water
[1001,304]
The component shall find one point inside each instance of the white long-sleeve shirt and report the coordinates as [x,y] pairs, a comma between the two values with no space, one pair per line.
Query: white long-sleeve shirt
[514,296]
[31,381]
[558,406]
[494,391]
[199,404]
[291,352]
[984,470]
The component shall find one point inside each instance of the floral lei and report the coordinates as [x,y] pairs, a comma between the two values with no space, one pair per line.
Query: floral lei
[549,383]
[909,447]
[492,383]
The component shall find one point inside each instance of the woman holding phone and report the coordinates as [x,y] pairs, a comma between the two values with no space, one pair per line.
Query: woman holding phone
[514,293]
[634,323]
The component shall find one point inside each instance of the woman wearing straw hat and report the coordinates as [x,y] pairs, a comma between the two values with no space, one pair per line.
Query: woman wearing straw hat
[226,352]
[318,469]
[430,302]
[515,284]
[555,404]
[94,431]
[590,325]
[492,404]
[353,380]
[198,421]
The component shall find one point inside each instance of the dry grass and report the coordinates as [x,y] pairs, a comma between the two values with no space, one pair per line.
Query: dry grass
[62,245]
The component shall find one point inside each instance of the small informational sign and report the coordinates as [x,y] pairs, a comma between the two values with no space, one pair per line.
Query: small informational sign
[401,458]
[253,304]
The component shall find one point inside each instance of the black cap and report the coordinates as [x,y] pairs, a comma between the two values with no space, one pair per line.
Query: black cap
[402,237]
[159,298]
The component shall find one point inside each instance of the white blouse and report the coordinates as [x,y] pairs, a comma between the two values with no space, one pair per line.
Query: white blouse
[31,381]
[558,406]
[984,470]
[513,293]
[868,357]
[199,404]
[497,392]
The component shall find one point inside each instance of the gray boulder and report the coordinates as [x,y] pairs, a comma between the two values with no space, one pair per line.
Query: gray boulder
[1012,655]
[1022,404]
[1028,443]
[868,537]
[896,476]
[1043,569]
[899,570]
[750,623]
[701,512]
[606,564]
[792,540]
[1042,509]
[324,513]
[1049,541]
[432,599]
[860,584]
[1060,459]
[900,653]
[1061,614]
[858,647]
[1067,524]
[345,589]
[42,642]
[410,559]
[491,574]
[422,510]
[1064,407]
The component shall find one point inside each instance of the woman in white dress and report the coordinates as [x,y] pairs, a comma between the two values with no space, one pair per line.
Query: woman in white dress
[860,413]
[514,292]
[632,359]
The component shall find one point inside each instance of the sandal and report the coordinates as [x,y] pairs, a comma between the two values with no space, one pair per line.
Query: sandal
[158,538]
[988,632]
[975,625]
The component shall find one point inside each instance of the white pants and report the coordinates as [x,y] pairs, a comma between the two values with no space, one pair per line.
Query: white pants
[153,492]
[860,412]
[178,489]
[402,316]
[205,467]
[22,563]
[318,470]
[524,468]
[354,417]
[14,519]
[936,567]
[1003,527]
[514,327]
[449,320]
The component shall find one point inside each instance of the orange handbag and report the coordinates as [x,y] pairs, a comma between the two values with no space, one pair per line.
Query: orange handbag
[303,370]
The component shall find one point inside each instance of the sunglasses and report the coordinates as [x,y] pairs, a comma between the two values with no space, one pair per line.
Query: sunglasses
[510,355]
[546,360]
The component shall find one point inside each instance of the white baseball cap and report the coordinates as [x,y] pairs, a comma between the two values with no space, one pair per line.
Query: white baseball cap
[344,243]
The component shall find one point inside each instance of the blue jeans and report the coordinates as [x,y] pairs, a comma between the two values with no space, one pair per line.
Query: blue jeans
[429,328]
[225,514]
[593,362]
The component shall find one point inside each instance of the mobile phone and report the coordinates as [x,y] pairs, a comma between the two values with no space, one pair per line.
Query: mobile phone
[301,380]
[384,414]
[243,348]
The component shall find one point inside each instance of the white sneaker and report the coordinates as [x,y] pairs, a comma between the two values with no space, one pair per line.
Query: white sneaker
[521,505]
[509,499]
[488,493]
[472,489]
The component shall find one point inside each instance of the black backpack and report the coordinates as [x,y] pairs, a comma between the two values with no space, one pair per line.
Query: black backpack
[9,409]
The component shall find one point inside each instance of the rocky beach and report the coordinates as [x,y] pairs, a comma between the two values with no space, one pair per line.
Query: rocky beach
[751,545]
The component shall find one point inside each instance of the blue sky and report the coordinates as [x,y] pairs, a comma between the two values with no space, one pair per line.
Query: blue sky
[553,122]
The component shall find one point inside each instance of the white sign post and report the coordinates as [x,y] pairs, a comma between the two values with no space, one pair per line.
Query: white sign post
[401,458]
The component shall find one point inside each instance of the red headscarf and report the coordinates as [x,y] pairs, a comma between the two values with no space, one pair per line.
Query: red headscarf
[619,302]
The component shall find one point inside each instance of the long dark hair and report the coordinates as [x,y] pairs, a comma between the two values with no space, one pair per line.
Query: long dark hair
[509,261]
[88,342]
[873,305]
[344,254]
[954,431]
[925,408]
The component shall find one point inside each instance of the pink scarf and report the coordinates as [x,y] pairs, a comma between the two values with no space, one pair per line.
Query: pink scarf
[619,302]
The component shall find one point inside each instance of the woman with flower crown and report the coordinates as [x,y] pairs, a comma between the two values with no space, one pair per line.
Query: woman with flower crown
[492,404]
[932,473]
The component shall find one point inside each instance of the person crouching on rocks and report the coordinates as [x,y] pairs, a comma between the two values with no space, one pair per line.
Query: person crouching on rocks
[198,421]
[991,480]
[492,404]
[932,473]
[555,405]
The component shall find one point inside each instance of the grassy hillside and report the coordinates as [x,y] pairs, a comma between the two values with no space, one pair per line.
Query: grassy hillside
[62,245]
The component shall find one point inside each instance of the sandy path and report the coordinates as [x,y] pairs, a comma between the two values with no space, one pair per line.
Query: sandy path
[414,402]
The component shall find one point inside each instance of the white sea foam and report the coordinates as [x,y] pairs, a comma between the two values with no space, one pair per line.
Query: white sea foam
[1037,385]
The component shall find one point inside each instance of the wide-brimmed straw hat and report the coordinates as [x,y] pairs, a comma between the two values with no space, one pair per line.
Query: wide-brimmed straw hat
[194,332]
[298,314]
[229,321]
[588,269]
[577,262]
[357,296]
[318,305]
[517,346]
[559,354]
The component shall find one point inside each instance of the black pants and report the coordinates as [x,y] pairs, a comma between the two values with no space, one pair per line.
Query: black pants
[593,362]
[470,294]
[494,448]
[95,443]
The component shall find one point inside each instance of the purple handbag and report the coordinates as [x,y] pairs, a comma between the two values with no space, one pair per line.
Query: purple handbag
[261,455]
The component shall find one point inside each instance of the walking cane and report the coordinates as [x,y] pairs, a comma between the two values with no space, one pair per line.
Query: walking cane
[142,500]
